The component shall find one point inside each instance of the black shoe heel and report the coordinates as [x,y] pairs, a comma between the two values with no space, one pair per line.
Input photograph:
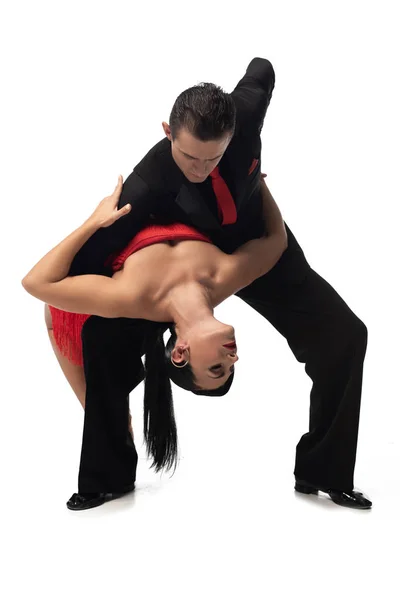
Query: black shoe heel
[305,489]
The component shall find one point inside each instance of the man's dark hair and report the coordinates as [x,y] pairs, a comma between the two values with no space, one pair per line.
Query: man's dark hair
[205,110]
[160,432]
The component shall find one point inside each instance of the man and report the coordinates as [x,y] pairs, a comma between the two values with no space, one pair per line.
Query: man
[206,173]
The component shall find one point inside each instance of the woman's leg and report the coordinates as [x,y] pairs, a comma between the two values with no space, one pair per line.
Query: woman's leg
[112,351]
[74,374]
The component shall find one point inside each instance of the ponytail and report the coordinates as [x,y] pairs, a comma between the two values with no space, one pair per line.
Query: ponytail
[159,420]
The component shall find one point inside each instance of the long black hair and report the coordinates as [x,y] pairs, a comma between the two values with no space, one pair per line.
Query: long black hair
[159,426]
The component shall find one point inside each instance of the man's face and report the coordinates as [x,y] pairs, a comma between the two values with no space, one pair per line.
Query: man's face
[196,159]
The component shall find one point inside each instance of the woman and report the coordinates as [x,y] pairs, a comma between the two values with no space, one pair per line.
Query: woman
[177,278]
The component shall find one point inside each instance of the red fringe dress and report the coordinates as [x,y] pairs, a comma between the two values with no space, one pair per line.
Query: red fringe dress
[67,326]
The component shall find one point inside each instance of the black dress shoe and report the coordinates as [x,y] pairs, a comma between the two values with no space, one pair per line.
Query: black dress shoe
[348,499]
[91,500]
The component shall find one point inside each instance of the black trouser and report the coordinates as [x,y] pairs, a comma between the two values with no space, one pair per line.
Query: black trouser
[112,350]
[321,331]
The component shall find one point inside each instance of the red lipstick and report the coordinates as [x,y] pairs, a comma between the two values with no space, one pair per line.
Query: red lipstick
[231,345]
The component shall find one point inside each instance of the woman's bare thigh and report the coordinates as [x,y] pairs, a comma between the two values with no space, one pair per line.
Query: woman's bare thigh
[47,317]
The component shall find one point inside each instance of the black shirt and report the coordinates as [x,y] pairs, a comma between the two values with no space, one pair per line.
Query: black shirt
[158,191]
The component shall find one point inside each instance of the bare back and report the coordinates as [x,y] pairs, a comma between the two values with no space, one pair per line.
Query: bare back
[149,275]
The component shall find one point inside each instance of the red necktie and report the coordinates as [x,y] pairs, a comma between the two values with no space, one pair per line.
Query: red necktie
[226,205]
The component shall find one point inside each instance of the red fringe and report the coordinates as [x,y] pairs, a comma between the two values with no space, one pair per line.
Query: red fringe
[67,327]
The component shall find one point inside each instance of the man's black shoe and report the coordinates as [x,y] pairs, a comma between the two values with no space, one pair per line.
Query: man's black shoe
[348,499]
[91,500]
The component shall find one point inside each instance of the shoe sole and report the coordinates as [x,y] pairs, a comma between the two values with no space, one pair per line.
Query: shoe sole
[99,501]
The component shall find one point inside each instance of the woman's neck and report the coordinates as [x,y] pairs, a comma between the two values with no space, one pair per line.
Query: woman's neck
[188,304]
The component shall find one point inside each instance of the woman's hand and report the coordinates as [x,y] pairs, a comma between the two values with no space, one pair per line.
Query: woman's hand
[107,212]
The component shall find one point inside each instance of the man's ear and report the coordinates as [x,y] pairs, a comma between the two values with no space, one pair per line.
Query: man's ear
[167,130]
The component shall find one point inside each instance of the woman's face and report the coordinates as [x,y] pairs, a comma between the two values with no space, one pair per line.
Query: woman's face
[212,353]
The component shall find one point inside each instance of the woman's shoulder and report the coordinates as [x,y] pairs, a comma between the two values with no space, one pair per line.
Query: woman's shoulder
[130,292]
[139,288]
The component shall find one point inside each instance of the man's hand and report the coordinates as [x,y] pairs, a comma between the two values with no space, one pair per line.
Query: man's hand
[107,212]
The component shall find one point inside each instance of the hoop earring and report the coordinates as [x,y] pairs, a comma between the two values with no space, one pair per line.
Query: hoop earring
[179,366]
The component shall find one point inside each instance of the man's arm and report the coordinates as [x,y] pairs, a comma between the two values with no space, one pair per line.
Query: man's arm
[94,253]
[253,94]
[256,257]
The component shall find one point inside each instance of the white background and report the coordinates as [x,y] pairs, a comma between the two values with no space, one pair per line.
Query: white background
[85,87]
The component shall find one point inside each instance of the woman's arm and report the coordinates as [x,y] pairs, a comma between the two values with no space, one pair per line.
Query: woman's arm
[89,294]
[255,258]
[85,294]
